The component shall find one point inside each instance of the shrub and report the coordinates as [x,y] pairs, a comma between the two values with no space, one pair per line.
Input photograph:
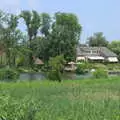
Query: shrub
[98,66]
[9,74]
[56,65]
[54,75]
[20,69]
[82,68]
[100,73]
[44,68]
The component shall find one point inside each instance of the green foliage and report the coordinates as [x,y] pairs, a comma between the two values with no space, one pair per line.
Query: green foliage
[20,61]
[100,73]
[98,66]
[8,74]
[113,67]
[15,109]
[59,35]
[65,35]
[54,75]
[97,40]
[9,37]
[23,70]
[82,68]
[70,100]
[33,22]
[115,47]
[46,21]
[56,65]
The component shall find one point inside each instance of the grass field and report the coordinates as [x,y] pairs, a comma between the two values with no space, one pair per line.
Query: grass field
[69,100]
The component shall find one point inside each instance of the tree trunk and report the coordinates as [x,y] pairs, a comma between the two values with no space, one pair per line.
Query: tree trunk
[8,58]
[30,55]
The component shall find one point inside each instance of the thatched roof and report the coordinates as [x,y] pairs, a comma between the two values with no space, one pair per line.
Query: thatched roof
[38,61]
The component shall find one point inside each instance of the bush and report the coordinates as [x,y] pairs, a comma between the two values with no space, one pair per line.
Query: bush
[54,75]
[82,68]
[113,66]
[100,73]
[20,69]
[56,65]
[99,66]
[9,74]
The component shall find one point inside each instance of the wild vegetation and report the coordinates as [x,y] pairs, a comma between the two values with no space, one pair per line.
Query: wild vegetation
[97,99]
[53,40]
[98,39]
[45,38]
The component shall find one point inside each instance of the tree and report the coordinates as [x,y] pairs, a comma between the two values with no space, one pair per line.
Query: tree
[64,36]
[11,39]
[33,22]
[40,45]
[9,36]
[45,24]
[2,19]
[115,47]
[58,37]
[39,48]
[47,37]
[97,40]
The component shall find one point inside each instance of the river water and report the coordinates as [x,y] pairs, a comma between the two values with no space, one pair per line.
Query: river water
[32,76]
[42,76]
[68,76]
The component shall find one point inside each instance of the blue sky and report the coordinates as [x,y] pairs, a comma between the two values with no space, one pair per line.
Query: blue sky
[94,15]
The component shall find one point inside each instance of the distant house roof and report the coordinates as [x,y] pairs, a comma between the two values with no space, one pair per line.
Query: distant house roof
[87,51]
[95,51]
[107,53]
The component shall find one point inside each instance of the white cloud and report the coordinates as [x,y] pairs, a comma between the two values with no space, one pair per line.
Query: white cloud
[12,6]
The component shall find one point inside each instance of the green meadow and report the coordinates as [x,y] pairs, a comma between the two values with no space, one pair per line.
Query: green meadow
[97,99]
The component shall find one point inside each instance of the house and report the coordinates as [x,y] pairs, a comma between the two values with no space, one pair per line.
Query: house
[96,54]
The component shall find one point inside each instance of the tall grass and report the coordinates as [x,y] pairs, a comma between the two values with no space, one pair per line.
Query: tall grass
[69,100]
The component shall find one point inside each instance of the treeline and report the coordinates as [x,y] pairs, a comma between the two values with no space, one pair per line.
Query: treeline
[46,37]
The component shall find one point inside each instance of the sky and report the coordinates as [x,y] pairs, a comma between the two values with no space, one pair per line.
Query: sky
[94,15]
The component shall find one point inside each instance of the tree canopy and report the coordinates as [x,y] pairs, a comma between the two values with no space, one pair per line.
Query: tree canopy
[115,47]
[65,35]
[46,36]
[98,39]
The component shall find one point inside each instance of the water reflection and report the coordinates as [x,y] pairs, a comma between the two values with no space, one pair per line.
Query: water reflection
[32,76]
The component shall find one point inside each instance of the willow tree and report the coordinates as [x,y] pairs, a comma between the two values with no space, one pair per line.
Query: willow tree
[8,37]
[46,24]
[33,23]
